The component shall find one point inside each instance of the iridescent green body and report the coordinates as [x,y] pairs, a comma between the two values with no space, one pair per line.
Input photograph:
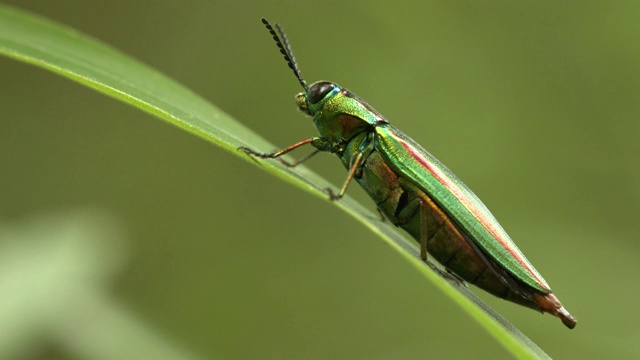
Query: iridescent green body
[419,194]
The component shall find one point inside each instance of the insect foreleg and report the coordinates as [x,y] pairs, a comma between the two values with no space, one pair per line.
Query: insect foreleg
[319,143]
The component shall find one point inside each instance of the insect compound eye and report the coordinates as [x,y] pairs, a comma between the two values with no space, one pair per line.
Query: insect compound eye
[318,91]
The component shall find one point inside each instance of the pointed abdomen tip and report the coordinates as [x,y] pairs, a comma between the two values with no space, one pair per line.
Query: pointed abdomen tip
[568,320]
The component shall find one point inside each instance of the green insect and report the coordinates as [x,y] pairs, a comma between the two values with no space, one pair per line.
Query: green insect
[416,192]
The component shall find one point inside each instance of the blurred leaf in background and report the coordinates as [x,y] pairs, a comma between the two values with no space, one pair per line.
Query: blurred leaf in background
[54,276]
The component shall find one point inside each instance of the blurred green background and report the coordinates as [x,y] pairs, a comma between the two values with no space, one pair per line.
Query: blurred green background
[534,106]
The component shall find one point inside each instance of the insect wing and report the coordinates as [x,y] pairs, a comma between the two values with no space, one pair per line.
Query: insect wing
[412,161]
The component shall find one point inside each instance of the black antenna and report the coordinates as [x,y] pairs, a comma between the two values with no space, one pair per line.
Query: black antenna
[285,50]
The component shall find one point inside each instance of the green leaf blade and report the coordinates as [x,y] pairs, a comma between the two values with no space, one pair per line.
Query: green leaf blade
[64,51]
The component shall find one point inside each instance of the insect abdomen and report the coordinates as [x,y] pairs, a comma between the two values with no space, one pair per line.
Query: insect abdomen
[399,201]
